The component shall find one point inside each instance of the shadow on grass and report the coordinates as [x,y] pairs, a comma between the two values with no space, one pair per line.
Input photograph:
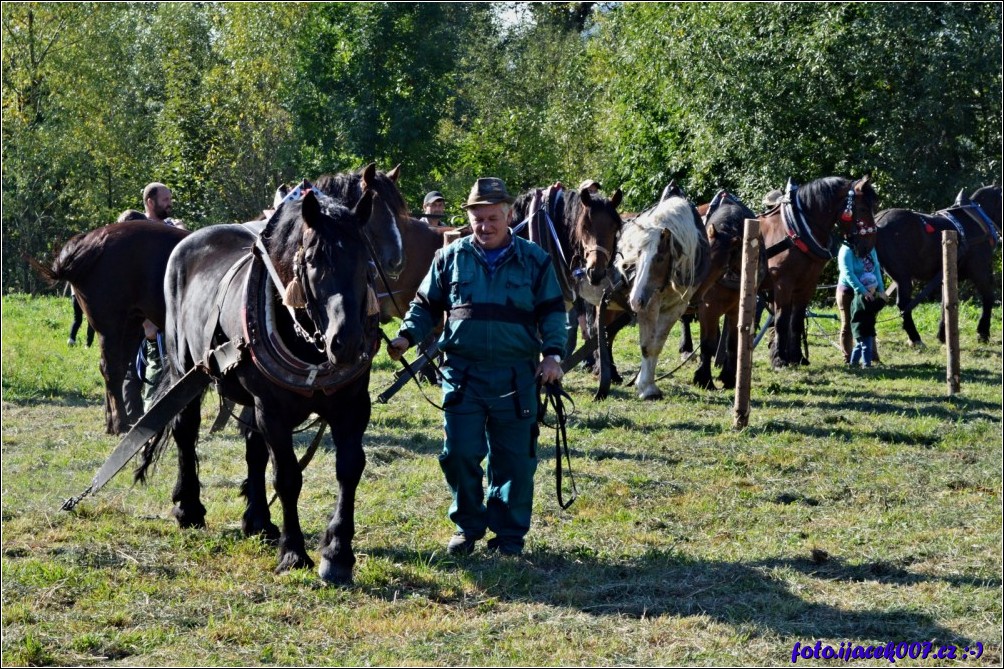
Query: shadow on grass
[667,584]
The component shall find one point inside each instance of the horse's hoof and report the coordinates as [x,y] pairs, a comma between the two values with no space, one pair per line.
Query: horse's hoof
[293,560]
[651,394]
[918,344]
[190,518]
[983,339]
[267,531]
[333,573]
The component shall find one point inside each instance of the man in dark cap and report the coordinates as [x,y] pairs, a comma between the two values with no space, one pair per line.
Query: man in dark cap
[504,333]
[434,208]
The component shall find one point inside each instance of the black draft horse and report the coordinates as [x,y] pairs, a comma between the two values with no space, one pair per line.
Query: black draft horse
[909,248]
[290,361]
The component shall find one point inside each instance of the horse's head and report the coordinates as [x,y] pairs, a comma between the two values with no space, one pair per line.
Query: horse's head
[596,226]
[383,231]
[989,200]
[660,251]
[857,215]
[318,249]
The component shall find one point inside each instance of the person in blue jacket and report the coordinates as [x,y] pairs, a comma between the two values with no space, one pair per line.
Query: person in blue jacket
[852,268]
[504,334]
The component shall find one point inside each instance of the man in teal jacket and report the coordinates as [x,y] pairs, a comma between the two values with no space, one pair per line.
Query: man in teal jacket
[504,310]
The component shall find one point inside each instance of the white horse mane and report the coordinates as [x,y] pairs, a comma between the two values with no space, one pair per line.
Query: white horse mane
[641,236]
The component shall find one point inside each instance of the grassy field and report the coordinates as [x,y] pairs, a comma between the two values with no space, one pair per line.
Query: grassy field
[860,506]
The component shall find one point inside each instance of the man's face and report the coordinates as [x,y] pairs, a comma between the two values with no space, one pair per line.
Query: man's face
[490,223]
[437,207]
[160,206]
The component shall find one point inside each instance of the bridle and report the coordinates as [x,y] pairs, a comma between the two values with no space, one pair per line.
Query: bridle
[847,215]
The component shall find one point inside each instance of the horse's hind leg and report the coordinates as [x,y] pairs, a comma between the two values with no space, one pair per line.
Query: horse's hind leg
[288,482]
[257,519]
[337,557]
[188,509]
[686,338]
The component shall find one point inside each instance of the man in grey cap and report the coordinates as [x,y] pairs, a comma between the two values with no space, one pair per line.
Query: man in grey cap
[591,185]
[504,333]
[433,208]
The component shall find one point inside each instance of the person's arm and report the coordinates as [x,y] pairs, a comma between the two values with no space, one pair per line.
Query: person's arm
[845,259]
[880,290]
[425,311]
[549,310]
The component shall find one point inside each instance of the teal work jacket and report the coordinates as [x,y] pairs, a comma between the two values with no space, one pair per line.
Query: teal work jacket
[510,314]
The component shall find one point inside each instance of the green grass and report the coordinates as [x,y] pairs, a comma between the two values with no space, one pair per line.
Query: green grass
[861,507]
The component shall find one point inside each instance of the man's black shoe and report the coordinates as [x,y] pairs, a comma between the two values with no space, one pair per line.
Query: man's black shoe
[496,545]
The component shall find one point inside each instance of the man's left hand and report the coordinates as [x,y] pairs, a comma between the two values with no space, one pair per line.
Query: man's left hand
[549,371]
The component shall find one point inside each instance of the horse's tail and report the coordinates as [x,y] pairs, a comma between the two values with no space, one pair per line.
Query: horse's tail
[155,447]
[73,260]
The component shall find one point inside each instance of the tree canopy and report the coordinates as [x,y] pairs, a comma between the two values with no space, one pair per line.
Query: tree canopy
[225,101]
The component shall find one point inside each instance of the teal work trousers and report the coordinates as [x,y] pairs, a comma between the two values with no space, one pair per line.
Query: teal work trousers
[490,414]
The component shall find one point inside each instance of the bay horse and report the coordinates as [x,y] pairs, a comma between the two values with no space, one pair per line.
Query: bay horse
[909,248]
[117,274]
[664,252]
[310,354]
[796,235]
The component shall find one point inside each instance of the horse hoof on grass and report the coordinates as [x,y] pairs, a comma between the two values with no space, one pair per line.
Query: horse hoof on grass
[335,574]
[293,560]
[651,395]
[193,518]
[268,531]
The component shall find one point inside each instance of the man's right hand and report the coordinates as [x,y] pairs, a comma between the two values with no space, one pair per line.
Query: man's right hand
[396,347]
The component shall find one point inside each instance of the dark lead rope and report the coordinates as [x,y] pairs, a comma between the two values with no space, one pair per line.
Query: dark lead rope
[553,394]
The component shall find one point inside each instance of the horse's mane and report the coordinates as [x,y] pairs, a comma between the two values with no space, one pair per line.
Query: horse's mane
[818,195]
[643,234]
[347,189]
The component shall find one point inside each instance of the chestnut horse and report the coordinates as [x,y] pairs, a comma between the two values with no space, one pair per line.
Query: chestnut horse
[796,236]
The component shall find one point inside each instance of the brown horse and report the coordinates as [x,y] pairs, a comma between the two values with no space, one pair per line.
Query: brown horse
[420,242]
[796,235]
[117,274]
[718,295]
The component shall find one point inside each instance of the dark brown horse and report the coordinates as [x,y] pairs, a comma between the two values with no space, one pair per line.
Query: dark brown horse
[117,274]
[909,248]
[796,235]
[718,296]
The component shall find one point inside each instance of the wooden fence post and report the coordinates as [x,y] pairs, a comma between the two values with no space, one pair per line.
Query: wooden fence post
[950,306]
[747,307]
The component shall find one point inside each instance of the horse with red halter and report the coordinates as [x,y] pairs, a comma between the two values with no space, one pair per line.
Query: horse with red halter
[796,236]
[909,248]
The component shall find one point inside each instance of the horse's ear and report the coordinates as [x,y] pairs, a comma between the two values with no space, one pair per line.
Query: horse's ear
[368,174]
[364,208]
[311,210]
[865,181]
[394,173]
[615,200]
[584,196]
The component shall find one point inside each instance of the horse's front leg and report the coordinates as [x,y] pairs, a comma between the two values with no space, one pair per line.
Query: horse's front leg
[983,327]
[686,338]
[662,320]
[709,340]
[795,355]
[257,519]
[188,508]
[347,427]
[782,333]
[288,482]
[904,295]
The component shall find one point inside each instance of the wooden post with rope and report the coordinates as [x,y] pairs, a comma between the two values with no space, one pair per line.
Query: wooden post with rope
[747,307]
[950,306]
